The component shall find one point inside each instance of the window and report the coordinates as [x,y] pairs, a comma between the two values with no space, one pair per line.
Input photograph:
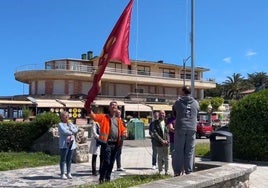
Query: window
[49,65]
[60,65]
[115,67]
[75,66]
[138,90]
[188,76]
[143,70]
[170,73]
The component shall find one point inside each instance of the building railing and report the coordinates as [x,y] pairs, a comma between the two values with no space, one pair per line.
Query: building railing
[108,70]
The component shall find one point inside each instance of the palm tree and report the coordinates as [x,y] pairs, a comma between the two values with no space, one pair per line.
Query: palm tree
[233,86]
[258,79]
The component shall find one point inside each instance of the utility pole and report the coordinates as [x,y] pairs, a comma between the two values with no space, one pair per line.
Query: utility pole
[192,49]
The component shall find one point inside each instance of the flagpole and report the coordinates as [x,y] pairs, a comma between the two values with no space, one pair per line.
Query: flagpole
[192,49]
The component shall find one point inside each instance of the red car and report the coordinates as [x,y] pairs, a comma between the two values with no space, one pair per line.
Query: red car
[203,129]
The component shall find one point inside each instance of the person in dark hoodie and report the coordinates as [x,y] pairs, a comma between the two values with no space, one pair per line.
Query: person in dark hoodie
[186,110]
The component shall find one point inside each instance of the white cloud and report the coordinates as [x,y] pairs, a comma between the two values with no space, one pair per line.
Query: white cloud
[227,59]
[250,53]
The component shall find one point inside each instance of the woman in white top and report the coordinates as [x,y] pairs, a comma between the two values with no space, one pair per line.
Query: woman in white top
[94,147]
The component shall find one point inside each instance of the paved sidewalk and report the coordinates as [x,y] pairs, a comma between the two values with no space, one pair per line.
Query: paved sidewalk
[136,159]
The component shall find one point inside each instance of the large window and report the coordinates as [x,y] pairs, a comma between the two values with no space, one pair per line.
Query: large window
[143,70]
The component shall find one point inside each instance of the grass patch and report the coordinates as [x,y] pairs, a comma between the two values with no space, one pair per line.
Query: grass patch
[128,181]
[202,150]
[18,160]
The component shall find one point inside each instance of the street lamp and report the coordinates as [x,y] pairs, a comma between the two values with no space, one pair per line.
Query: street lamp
[184,69]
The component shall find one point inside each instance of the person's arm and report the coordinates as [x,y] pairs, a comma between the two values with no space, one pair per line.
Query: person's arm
[91,114]
[94,130]
[170,125]
[151,129]
[64,130]
[174,111]
[123,129]
[73,128]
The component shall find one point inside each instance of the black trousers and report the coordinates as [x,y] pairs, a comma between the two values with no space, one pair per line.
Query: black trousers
[118,156]
[108,153]
[94,162]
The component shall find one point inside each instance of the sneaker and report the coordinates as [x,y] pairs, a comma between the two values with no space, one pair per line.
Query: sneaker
[121,169]
[69,175]
[63,176]
[154,167]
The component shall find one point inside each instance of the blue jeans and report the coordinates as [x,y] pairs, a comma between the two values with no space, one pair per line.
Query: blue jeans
[65,158]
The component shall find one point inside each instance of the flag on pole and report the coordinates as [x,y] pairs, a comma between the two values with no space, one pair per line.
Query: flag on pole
[115,48]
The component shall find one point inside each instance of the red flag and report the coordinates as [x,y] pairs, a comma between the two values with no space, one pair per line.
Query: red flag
[115,48]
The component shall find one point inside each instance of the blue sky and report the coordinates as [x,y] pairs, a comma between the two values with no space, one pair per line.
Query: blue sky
[230,35]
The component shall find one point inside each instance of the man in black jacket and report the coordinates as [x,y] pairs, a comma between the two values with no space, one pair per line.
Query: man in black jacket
[161,140]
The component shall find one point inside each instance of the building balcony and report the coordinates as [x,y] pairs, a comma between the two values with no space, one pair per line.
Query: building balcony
[28,73]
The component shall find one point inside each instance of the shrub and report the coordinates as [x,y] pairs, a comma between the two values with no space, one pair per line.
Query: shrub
[45,121]
[26,113]
[249,125]
[19,136]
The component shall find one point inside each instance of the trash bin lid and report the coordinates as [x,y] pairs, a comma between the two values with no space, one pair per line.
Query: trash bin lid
[222,133]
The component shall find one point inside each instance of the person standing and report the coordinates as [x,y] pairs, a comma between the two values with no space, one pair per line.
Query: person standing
[160,133]
[170,125]
[94,147]
[112,130]
[154,150]
[118,156]
[186,110]
[67,145]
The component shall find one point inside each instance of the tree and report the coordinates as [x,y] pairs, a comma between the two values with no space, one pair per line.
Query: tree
[26,113]
[258,78]
[216,102]
[215,92]
[233,86]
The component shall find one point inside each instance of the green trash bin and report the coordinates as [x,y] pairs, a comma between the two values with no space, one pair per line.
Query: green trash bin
[136,130]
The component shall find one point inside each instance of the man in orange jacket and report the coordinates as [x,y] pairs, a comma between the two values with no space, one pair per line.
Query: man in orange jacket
[112,130]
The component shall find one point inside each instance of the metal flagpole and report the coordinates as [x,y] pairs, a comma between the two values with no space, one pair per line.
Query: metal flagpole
[192,49]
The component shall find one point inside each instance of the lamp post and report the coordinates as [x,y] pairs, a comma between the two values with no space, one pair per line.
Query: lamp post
[184,69]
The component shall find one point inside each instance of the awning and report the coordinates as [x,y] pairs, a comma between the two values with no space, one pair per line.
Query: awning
[106,102]
[48,103]
[165,107]
[71,103]
[137,107]
[15,102]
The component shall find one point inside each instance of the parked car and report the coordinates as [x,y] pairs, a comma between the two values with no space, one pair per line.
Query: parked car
[203,129]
